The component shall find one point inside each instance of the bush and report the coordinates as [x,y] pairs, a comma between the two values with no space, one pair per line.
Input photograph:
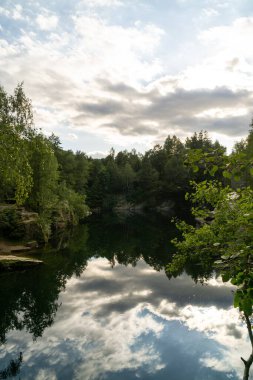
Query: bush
[10,223]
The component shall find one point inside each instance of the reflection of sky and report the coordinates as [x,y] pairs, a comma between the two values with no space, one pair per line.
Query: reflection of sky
[130,323]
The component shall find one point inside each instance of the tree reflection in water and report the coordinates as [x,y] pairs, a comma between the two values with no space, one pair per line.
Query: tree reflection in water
[12,369]
[249,361]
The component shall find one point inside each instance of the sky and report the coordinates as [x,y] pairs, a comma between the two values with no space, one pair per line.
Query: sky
[126,74]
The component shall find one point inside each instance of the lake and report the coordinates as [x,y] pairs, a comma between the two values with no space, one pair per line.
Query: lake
[102,307]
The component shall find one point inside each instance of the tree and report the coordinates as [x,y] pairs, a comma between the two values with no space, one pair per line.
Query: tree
[81,172]
[97,184]
[199,140]
[16,130]
[173,146]
[148,178]
[225,232]
[44,166]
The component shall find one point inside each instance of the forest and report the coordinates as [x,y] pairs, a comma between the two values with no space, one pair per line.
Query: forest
[63,186]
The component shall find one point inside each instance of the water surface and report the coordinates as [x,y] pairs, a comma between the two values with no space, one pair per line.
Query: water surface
[103,308]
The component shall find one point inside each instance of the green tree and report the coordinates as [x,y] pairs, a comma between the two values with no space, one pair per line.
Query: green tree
[148,178]
[225,232]
[44,165]
[81,172]
[16,129]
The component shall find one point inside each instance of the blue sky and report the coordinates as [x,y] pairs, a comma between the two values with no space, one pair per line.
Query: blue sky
[105,73]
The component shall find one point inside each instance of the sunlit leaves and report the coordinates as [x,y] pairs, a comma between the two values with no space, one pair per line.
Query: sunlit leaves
[214,161]
[226,174]
[16,130]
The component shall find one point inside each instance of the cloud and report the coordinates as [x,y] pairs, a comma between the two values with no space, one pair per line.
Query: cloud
[115,41]
[233,63]
[97,154]
[103,3]
[63,72]
[102,108]
[224,45]
[15,13]
[209,12]
[151,113]
[72,136]
[90,74]
[47,22]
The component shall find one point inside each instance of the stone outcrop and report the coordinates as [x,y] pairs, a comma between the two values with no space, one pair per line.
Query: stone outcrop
[18,223]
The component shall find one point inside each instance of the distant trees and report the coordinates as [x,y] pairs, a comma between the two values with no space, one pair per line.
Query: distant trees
[149,179]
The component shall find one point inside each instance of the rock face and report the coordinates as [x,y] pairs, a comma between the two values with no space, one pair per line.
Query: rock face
[18,223]
[122,205]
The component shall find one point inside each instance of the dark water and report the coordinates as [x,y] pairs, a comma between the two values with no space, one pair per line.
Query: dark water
[103,308]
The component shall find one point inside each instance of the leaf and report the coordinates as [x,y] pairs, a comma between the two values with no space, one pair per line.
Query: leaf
[247,306]
[226,277]
[226,174]
[214,170]
[237,299]
[251,171]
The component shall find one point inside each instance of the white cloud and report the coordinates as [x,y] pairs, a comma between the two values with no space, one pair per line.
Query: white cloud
[47,22]
[228,60]
[97,154]
[14,13]
[66,68]
[72,136]
[4,12]
[103,3]
[17,12]
[234,38]
[209,12]
[122,53]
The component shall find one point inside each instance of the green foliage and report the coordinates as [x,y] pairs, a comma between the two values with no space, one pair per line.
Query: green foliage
[71,206]
[161,174]
[45,175]
[33,167]
[98,184]
[10,223]
[225,217]
[228,237]
[44,223]
[236,168]
[16,128]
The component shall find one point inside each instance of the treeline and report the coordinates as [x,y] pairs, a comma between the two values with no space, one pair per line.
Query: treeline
[62,185]
[147,180]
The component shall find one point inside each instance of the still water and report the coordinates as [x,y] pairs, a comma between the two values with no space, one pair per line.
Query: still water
[102,307]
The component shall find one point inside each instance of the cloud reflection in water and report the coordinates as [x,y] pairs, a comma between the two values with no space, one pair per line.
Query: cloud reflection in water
[128,323]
